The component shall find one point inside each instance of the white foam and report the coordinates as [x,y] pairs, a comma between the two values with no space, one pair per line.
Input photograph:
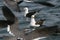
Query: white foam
[39,38]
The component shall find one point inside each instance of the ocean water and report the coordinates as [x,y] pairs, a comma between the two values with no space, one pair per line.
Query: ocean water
[51,14]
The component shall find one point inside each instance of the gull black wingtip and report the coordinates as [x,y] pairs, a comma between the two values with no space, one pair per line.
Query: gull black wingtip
[18,8]
[8,13]
[20,2]
[10,17]
[30,14]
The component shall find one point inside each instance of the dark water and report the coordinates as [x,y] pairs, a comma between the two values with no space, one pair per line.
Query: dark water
[52,16]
